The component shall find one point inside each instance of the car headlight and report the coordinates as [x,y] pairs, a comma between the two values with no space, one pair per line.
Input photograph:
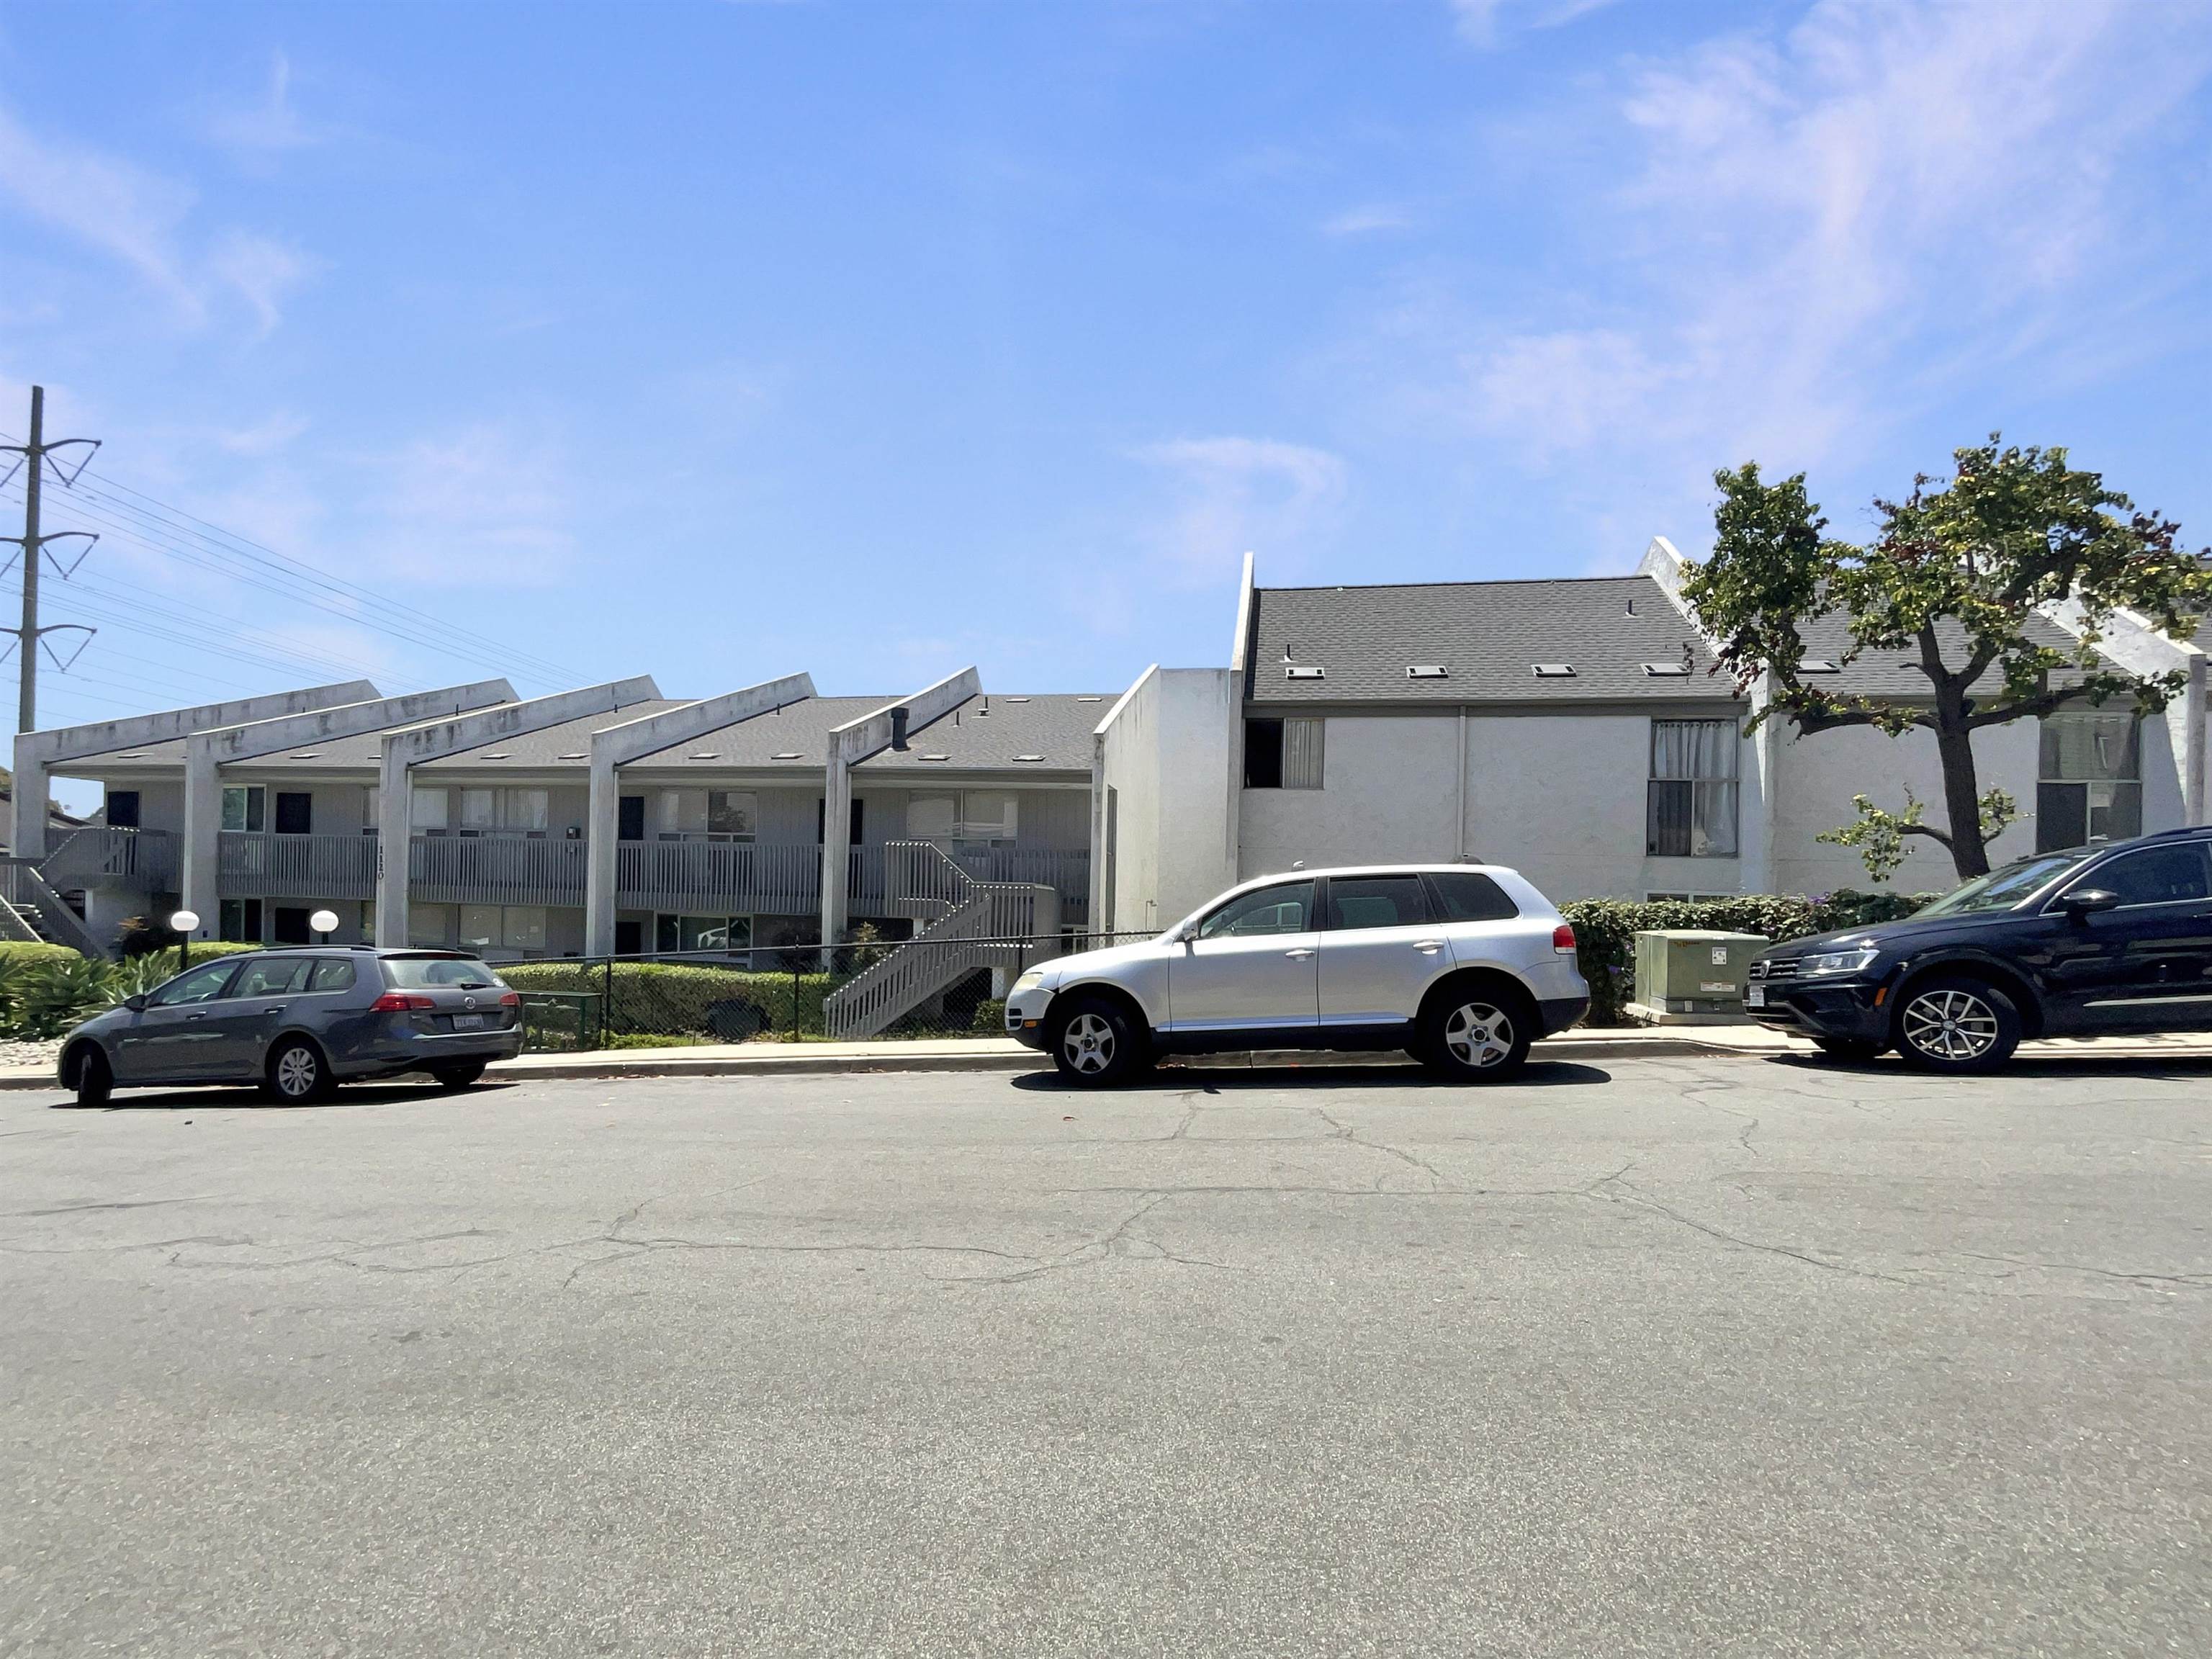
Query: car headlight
[1031,980]
[1838,962]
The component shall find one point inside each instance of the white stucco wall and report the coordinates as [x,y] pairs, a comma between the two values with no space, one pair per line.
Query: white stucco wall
[1168,756]
[1820,774]
[1388,792]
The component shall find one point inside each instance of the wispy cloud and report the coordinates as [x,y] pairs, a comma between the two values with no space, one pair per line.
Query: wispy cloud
[267,126]
[482,505]
[1232,495]
[1486,22]
[142,219]
[1815,235]
[1370,219]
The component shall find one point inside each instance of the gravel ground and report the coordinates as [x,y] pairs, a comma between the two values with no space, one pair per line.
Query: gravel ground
[14,1053]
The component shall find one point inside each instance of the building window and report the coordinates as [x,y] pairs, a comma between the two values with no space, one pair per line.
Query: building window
[289,925]
[855,816]
[630,818]
[984,817]
[2090,785]
[245,809]
[1690,811]
[371,805]
[1283,754]
[429,925]
[523,812]
[368,921]
[427,813]
[722,815]
[503,927]
[295,813]
[239,922]
[674,933]
[123,809]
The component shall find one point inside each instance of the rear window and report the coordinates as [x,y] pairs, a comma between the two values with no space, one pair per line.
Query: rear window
[435,973]
[1470,895]
[331,973]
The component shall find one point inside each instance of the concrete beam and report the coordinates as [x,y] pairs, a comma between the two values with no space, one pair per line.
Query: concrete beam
[206,752]
[616,746]
[404,750]
[851,744]
[37,753]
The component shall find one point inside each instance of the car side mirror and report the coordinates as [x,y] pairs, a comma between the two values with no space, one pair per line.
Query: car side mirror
[136,1003]
[2088,902]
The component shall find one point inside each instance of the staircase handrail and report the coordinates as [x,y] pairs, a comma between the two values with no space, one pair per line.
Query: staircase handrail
[22,885]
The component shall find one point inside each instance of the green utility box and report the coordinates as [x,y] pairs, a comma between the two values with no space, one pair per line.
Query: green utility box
[1684,975]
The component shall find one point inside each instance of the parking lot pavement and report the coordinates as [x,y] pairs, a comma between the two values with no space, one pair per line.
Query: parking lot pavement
[1676,1355]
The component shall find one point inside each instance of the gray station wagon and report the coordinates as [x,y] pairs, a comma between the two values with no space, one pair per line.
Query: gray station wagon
[299,1022]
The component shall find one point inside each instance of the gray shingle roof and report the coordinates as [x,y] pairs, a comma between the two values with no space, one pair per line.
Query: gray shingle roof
[1897,673]
[1487,636]
[996,731]
[568,745]
[800,728]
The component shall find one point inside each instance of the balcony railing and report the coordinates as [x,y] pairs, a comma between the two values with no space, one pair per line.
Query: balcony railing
[144,859]
[257,864]
[496,870]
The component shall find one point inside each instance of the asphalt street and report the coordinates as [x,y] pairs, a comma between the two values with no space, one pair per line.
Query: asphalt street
[1745,1356]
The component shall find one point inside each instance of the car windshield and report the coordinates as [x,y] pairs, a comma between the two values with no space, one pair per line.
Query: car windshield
[434,973]
[2007,886]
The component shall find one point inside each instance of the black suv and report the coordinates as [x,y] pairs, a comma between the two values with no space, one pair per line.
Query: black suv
[2087,943]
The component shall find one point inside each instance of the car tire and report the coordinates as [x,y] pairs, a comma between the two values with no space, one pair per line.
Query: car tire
[459,1077]
[1477,1033]
[1852,1051]
[1095,1044]
[1957,1024]
[297,1073]
[93,1078]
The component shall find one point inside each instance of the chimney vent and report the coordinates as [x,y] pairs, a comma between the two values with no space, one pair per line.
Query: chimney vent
[898,727]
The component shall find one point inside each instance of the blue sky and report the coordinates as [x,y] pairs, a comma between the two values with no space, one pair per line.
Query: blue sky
[718,341]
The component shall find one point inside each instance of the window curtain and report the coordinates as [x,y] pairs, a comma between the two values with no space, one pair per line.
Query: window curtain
[1693,749]
[1302,753]
[1693,811]
[2086,748]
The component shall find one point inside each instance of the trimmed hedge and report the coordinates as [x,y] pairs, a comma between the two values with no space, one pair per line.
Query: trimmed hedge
[678,1000]
[1606,931]
[13,953]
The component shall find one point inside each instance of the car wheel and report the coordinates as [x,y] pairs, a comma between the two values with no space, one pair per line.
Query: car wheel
[94,1078]
[1095,1044]
[457,1077]
[297,1073]
[1852,1051]
[1955,1023]
[1477,1033]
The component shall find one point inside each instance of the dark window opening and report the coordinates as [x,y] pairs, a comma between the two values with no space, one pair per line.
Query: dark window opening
[295,813]
[289,923]
[123,809]
[821,819]
[630,818]
[1263,754]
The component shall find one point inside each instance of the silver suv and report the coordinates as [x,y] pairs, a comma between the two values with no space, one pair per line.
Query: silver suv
[1461,965]
[297,1022]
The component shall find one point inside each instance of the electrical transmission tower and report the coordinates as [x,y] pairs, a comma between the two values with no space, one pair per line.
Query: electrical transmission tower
[31,546]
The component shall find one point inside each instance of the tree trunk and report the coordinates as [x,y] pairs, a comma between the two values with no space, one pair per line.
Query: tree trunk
[1962,802]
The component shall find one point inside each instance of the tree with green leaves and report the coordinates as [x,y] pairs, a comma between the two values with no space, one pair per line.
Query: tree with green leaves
[1956,577]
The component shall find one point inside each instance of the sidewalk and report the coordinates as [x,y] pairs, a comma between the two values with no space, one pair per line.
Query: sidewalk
[1001,1055]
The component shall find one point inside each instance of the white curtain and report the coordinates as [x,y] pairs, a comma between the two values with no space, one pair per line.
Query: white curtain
[1302,753]
[1693,749]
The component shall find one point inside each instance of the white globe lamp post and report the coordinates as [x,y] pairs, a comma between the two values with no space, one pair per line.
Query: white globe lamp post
[181,923]
[325,922]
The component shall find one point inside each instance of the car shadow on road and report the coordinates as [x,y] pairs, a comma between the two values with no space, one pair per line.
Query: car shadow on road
[232,1098]
[2177,1067]
[1171,1079]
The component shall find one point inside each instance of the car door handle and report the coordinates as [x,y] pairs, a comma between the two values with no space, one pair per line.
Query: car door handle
[1428,947]
[1299,955]
[193,1016]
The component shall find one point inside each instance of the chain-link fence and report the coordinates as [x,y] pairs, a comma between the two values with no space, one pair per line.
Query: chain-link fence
[875,991]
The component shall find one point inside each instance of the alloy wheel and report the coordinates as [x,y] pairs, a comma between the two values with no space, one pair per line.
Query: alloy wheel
[1951,1025]
[1088,1044]
[1479,1035]
[296,1073]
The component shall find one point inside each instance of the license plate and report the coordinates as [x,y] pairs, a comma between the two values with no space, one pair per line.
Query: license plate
[1755,997]
[468,1022]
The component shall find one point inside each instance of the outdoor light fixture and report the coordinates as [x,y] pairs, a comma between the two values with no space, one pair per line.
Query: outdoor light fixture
[325,922]
[181,923]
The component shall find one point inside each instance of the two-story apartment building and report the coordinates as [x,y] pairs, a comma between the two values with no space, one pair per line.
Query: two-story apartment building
[1578,729]
[608,820]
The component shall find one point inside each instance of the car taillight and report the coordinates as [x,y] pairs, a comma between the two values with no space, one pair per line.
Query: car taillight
[399,1002]
[1563,940]
[510,999]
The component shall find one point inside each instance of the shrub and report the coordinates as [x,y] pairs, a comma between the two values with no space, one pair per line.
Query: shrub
[714,1004]
[654,1040]
[1606,930]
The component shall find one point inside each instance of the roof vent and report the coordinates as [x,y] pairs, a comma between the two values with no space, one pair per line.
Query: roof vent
[934,757]
[1667,671]
[305,754]
[1426,671]
[574,754]
[1821,665]
[1631,605]
[785,754]
[1028,760]
[501,756]
[1555,670]
[899,717]
[1081,699]
[706,754]
[1013,700]
[986,708]
[1304,671]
